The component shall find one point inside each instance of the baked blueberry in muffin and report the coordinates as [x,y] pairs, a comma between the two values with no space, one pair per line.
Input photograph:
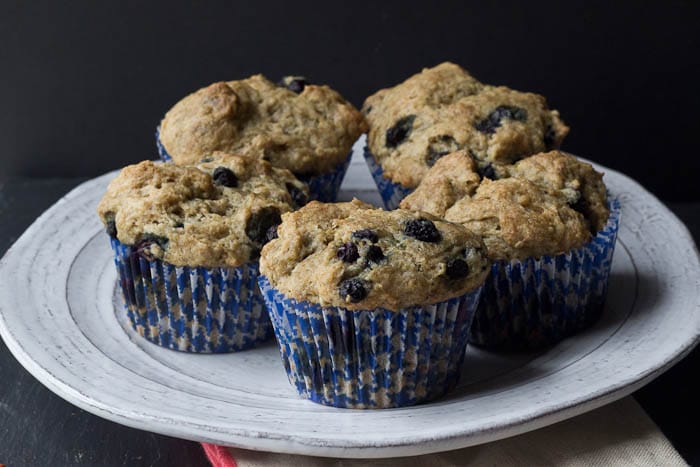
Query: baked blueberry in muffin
[212,214]
[371,308]
[359,257]
[306,128]
[186,241]
[545,204]
[547,224]
[445,109]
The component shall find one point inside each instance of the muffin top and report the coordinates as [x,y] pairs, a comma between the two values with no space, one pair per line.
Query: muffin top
[578,182]
[543,205]
[305,128]
[218,213]
[444,109]
[356,256]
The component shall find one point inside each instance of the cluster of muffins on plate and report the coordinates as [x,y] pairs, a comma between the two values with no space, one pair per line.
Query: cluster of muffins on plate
[491,235]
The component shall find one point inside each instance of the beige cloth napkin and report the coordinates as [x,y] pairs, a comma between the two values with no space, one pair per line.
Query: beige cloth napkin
[618,434]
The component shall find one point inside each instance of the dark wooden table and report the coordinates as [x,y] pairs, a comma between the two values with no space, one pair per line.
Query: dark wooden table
[39,428]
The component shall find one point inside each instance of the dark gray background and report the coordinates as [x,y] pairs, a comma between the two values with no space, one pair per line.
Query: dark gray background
[84,85]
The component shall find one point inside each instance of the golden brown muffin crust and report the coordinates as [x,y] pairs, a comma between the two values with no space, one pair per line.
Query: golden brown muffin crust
[517,219]
[309,133]
[444,109]
[452,178]
[575,180]
[545,204]
[199,215]
[322,246]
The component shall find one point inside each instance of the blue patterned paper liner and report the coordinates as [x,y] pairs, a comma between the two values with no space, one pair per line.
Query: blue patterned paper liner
[324,187]
[162,152]
[371,359]
[537,302]
[192,309]
[391,193]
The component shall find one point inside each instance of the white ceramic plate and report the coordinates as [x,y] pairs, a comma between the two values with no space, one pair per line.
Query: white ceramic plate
[61,317]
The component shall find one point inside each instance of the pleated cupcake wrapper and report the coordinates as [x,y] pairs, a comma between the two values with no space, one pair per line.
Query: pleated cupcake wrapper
[537,302]
[371,359]
[391,193]
[324,187]
[192,309]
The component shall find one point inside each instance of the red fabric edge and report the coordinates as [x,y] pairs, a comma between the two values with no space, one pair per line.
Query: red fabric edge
[219,456]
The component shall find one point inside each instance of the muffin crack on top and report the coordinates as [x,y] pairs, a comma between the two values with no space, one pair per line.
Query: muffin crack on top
[545,204]
[356,256]
[217,213]
[305,128]
[445,109]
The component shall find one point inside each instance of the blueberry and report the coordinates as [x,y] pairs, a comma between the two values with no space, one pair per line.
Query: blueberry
[149,239]
[111,228]
[580,205]
[179,225]
[456,268]
[111,225]
[348,252]
[355,289]
[298,196]
[433,157]
[515,113]
[271,233]
[143,246]
[225,177]
[260,222]
[423,230]
[374,254]
[487,172]
[296,84]
[367,234]
[398,133]
[494,119]
[440,146]
[549,137]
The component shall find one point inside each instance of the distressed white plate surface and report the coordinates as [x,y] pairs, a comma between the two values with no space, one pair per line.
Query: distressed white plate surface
[61,317]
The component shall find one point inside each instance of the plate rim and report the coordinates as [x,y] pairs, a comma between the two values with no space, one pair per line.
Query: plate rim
[403,447]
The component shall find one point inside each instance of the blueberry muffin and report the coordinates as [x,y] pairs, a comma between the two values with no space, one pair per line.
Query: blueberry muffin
[444,109]
[547,226]
[186,242]
[371,308]
[324,248]
[305,128]
[542,205]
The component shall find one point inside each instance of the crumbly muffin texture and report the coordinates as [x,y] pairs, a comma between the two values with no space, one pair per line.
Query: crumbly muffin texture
[356,256]
[218,213]
[563,174]
[453,177]
[444,109]
[543,205]
[305,128]
[517,219]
